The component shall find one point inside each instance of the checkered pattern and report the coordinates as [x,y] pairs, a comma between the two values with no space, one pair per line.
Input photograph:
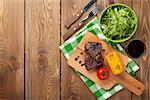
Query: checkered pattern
[68,47]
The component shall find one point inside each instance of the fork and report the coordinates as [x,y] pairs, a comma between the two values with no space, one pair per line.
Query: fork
[73,30]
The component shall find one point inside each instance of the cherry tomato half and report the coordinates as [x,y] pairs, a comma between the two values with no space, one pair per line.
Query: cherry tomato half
[103,73]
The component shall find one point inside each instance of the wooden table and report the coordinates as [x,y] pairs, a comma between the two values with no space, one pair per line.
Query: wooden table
[30,33]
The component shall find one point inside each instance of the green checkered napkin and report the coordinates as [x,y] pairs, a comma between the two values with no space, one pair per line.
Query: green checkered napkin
[68,47]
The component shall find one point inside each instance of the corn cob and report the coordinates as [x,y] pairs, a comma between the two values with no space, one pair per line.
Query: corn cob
[115,63]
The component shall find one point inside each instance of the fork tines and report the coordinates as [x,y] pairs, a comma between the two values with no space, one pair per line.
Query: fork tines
[95,10]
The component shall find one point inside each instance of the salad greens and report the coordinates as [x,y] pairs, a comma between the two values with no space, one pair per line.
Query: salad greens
[118,22]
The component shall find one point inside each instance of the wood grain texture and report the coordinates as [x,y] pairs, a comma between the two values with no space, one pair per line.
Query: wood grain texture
[30,33]
[142,8]
[12,49]
[72,87]
[42,52]
[124,94]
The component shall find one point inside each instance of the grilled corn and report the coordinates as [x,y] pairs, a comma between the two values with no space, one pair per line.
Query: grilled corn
[115,63]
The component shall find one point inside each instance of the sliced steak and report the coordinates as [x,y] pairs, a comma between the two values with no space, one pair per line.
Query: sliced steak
[93,49]
[91,63]
[93,58]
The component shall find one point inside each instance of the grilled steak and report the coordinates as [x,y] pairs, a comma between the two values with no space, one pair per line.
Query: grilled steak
[93,58]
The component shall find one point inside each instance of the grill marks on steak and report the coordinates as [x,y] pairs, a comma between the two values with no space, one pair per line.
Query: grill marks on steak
[93,49]
[91,63]
[93,58]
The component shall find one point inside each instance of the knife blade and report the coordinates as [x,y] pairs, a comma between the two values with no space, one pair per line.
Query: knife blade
[79,14]
[87,6]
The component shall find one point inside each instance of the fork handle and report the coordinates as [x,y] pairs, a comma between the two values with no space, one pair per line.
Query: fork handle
[73,30]
[74,19]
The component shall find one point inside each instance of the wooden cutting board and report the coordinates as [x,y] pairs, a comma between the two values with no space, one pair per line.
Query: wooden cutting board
[76,61]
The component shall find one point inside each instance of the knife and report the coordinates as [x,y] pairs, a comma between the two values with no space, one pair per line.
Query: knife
[79,14]
[93,12]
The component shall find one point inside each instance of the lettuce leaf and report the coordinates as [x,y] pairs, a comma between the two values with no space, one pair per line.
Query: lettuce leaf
[118,22]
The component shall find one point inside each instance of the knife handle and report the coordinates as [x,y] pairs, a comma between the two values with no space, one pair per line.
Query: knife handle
[73,30]
[74,19]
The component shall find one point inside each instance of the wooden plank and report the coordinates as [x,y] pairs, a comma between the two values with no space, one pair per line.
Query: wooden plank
[103,3]
[12,49]
[42,52]
[72,87]
[142,8]
[124,94]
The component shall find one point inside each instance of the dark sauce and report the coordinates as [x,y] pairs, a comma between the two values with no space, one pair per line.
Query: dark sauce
[135,48]
[103,50]
[80,62]
[76,59]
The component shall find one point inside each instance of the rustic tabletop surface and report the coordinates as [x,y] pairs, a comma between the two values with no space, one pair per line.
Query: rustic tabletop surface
[30,34]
